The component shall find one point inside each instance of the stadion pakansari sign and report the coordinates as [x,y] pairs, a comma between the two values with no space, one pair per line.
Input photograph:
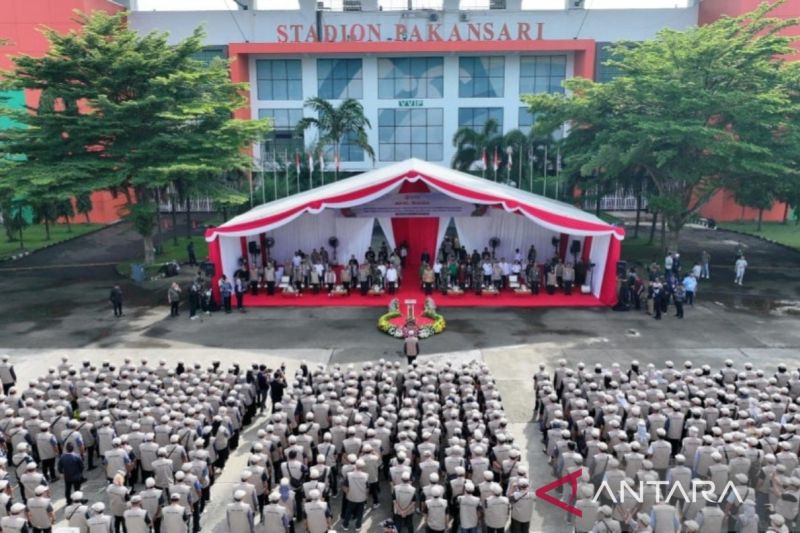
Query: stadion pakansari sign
[410,32]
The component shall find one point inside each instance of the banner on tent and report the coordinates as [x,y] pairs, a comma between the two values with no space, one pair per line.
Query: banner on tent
[413,205]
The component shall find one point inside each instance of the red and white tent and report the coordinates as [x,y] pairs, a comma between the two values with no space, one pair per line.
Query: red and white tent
[414,201]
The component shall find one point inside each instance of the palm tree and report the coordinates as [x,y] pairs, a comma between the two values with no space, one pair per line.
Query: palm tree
[336,123]
[471,145]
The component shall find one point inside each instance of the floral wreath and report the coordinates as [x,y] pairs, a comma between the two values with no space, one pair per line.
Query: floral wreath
[392,322]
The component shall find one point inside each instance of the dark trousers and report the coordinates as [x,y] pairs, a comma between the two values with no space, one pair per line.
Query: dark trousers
[567,288]
[193,305]
[157,525]
[91,451]
[240,300]
[404,524]
[117,308]
[519,527]
[226,303]
[487,280]
[690,297]
[375,491]
[119,525]
[173,308]
[69,487]
[38,530]
[270,288]
[391,286]
[428,288]
[679,309]
[495,530]
[196,517]
[551,289]
[364,288]
[49,468]
[353,511]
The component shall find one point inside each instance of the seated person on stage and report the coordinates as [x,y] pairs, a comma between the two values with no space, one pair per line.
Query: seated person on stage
[391,278]
[330,278]
[569,278]
[551,280]
[452,272]
[363,278]
[314,279]
[497,276]
[486,268]
[269,278]
[427,278]
[532,277]
[347,280]
[437,273]
[560,272]
[506,267]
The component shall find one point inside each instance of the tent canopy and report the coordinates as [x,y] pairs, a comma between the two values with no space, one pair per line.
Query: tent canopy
[369,186]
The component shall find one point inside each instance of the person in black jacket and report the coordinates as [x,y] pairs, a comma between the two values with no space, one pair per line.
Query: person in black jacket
[262,387]
[71,467]
[115,297]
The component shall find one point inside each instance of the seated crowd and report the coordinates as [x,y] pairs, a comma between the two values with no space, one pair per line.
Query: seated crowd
[453,269]
[704,450]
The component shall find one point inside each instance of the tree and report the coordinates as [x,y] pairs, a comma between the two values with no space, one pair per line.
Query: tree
[45,211]
[334,124]
[693,110]
[471,145]
[153,113]
[83,205]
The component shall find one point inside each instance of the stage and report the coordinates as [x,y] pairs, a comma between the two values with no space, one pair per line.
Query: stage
[412,290]
[505,299]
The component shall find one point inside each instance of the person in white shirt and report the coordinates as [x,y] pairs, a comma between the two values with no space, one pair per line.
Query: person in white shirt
[741,266]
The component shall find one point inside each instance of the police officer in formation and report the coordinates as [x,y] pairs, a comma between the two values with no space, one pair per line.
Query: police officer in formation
[161,434]
[424,434]
[706,450]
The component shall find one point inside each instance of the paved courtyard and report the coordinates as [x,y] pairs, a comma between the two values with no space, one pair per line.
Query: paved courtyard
[48,311]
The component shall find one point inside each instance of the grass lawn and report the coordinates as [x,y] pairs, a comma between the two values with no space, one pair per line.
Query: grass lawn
[169,251]
[788,234]
[34,237]
[638,251]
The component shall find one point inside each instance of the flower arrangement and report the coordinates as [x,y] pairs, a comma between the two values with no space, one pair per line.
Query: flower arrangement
[393,323]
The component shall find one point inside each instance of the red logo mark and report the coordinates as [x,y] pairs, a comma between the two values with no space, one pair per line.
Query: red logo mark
[572,479]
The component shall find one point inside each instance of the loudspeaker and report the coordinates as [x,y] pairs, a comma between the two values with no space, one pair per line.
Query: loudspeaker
[575,247]
[252,247]
[208,269]
[622,269]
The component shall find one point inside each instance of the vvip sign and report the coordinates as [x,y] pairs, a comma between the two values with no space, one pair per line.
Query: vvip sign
[411,32]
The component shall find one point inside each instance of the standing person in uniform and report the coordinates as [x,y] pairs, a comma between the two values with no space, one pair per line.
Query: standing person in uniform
[317,513]
[239,515]
[190,252]
[174,299]
[153,501]
[136,518]
[276,518]
[705,263]
[47,446]
[497,507]
[195,290]
[404,504]
[678,297]
[16,522]
[521,507]
[469,509]
[435,510]
[40,511]
[99,522]
[740,266]
[240,287]
[118,496]
[355,492]
[7,375]
[75,513]
[411,346]
[115,297]
[175,516]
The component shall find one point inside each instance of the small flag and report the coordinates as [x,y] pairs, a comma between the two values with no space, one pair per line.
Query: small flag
[321,161]
[510,160]
[310,162]
[336,161]
[484,160]
[496,162]
[297,162]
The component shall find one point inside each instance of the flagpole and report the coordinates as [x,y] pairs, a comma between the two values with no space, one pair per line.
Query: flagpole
[275,175]
[297,167]
[530,159]
[263,178]
[520,167]
[558,169]
[544,185]
[286,164]
[322,167]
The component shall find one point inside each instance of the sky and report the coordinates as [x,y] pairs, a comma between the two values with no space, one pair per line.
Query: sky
[199,5]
